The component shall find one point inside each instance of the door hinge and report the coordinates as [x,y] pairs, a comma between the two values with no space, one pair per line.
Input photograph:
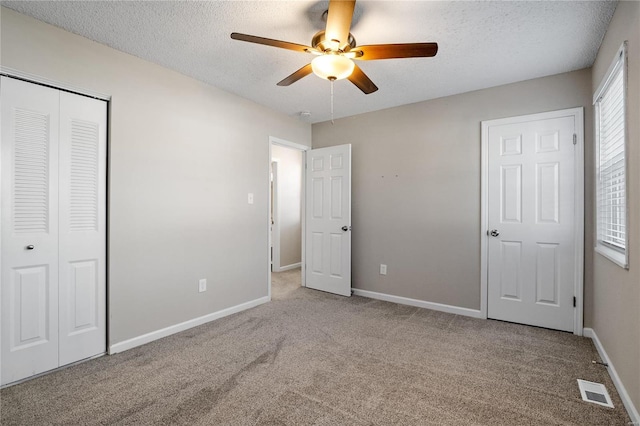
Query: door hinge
[574,301]
[575,139]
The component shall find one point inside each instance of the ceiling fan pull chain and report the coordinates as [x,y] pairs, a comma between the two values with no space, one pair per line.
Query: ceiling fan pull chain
[332,102]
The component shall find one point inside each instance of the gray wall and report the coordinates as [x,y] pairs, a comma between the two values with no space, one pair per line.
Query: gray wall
[183,156]
[616,292]
[416,184]
[289,203]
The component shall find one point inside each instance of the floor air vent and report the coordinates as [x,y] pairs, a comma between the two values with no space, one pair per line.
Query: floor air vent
[594,392]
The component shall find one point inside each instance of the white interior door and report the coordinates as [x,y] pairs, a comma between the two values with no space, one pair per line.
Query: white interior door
[53,228]
[29,217]
[531,243]
[82,229]
[328,219]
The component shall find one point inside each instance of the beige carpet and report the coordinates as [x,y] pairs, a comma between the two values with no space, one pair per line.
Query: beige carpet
[310,358]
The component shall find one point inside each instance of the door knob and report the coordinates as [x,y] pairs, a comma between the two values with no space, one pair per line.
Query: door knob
[346,228]
[30,247]
[494,233]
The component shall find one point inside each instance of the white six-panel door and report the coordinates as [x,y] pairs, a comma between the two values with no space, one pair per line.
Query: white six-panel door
[531,243]
[328,219]
[53,235]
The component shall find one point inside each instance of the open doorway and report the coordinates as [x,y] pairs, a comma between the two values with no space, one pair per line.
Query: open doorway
[286,213]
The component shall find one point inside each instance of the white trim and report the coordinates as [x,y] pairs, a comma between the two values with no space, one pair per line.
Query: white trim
[173,329]
[269,229]
[275,224]
[578,288]
[303,148]
[303,221]
[288,267]
[578,222]
[288,144]
[474,313]
[613,255]
[622,391]
[484,218]
[37,79]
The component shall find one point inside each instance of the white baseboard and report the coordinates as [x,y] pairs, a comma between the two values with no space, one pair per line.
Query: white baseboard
[419,303]
[626,400]
[159,334]
[288,267]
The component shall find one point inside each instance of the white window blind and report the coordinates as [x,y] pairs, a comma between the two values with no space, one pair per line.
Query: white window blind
[611,169]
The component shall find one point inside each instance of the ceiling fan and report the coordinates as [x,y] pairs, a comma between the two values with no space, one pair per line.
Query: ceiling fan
[335,47]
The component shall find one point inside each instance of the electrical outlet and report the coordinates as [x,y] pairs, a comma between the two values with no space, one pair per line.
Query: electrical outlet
[202,285]
[383,269]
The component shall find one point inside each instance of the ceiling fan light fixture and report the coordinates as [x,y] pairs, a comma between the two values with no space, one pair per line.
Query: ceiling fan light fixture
[332,67]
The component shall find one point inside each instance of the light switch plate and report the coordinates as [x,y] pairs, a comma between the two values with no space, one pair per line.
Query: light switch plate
[383,269]
[202,285]
[250,198]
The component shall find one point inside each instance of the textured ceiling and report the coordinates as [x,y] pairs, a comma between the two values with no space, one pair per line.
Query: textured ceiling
[481,44]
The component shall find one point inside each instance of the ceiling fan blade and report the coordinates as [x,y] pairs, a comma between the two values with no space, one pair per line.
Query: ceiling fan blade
[394,51]
[339,20]
[360,79]
[271,42]
[302,72]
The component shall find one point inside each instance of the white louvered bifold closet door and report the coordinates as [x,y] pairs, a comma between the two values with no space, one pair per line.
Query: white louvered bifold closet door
[53,159]
[29,218]
[82,269]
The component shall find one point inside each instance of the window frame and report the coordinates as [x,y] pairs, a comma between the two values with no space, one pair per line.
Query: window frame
[617,255]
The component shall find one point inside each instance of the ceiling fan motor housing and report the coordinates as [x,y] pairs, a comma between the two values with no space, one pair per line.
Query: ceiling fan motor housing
[321,43]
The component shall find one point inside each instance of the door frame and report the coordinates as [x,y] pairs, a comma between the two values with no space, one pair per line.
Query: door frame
[303,200]
[578,285]
[58,85]
[275,226]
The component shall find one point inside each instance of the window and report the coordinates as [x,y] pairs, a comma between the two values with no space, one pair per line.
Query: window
[611,194]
